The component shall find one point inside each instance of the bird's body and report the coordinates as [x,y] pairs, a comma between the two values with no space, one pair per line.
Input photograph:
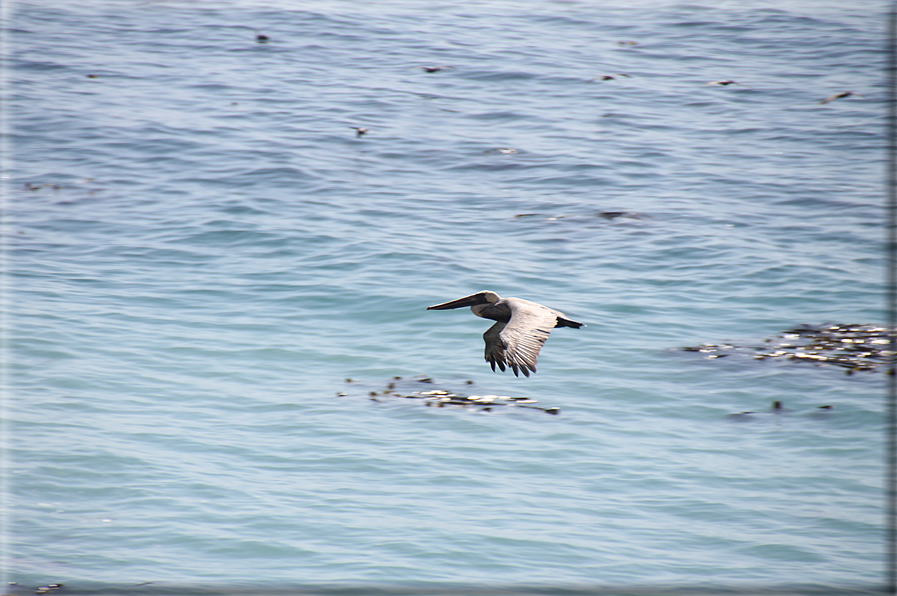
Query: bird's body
[520,330]
[359,130]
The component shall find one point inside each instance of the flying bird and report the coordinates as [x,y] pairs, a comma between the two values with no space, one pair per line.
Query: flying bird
[520,330]
[359,130]
[839,96]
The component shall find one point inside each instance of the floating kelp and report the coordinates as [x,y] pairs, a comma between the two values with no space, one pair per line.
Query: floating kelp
[608,215]
[854,347]
[14,588]
[778,408]
[423,389]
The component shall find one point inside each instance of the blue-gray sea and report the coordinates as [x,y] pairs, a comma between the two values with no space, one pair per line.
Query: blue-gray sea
[200,251]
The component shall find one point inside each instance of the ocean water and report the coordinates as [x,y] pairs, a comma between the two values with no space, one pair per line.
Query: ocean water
[200,251]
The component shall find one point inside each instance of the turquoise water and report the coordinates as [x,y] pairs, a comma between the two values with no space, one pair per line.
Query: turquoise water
[200,252]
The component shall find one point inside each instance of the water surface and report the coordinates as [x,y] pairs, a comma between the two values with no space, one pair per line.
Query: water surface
[201,251]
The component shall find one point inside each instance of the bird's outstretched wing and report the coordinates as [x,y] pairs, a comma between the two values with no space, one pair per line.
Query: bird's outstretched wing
[495,349]
[516,344]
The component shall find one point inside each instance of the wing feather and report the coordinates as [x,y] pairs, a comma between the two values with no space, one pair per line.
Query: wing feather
[495,350]
[517,342]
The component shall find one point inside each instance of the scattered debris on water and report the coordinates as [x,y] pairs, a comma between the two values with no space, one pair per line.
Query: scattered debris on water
[421,388]
[778,408]
[38,186]
[853,347]
[612,77]
[432,69]
[724,83]
[840,95]
[609,215]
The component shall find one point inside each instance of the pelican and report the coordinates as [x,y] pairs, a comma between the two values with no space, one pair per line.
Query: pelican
[520,331]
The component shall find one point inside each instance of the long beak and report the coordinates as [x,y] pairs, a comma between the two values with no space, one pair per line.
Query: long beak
[459,303]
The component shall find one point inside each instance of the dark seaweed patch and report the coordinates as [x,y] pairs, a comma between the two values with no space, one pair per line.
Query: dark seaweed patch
[423,389]
[853,347]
